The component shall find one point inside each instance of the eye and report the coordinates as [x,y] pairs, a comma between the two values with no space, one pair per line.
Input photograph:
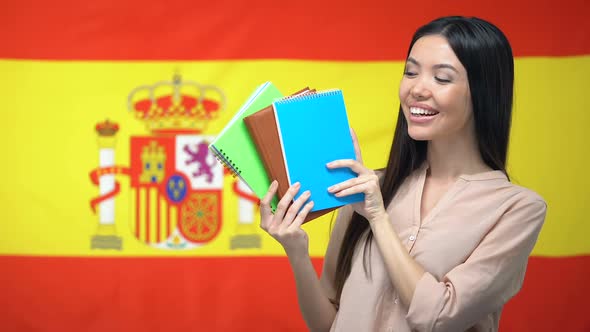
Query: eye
[410,73]
[441,80]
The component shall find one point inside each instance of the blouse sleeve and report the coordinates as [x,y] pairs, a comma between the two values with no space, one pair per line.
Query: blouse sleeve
[486,280]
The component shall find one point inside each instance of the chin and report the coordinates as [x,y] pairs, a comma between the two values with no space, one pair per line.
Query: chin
[419,134]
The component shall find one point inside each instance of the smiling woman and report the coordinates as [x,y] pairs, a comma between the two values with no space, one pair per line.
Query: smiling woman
[59,82]
[453,235]
[434,92]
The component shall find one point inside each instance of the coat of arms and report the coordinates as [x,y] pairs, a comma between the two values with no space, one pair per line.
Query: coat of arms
[176,184]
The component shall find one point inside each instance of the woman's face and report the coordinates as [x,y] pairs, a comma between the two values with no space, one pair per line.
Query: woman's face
[434,92]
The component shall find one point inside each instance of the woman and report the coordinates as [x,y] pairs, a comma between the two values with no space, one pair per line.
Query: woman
[442,239]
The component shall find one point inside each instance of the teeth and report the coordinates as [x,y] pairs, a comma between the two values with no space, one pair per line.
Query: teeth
[421,111]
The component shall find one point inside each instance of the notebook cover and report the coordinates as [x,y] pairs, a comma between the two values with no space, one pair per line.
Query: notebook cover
[262,128]
[313,130]
[235,148]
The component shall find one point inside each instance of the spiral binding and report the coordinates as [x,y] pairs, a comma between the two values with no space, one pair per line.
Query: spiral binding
[229,165]
[306,96]
[224,160]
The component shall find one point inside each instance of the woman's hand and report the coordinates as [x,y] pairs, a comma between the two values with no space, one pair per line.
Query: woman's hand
[285,224]
[367,182]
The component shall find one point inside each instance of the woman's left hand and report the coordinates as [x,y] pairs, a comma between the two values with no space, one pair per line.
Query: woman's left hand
[367,182]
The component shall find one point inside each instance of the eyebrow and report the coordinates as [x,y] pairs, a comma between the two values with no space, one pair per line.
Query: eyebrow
[437,66]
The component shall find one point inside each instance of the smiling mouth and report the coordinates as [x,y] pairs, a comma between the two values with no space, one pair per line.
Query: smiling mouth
[420,112]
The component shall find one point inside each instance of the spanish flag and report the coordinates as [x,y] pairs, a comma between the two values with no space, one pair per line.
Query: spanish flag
[114,218]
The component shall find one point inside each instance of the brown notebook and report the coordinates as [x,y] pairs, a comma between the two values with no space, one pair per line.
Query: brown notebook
[263,130]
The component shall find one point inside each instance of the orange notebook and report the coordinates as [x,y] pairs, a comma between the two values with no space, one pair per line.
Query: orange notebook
[262,127]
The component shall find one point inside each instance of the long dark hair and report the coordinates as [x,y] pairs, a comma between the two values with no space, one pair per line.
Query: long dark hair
[486,55]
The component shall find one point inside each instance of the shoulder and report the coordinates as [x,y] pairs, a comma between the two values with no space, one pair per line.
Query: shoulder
[495,184]
[493,197]
[517,195]
[522,207]
[525,198]
[524,194]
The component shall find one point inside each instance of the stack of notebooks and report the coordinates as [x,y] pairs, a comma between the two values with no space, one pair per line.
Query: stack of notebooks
[290,139]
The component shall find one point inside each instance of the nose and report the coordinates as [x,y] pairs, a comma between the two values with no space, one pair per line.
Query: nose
[420,89]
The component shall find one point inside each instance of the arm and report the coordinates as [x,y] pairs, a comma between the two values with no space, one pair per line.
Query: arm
[314,295]
[333,250]
[492,274]
[285,226]
[486,281]
[483,284]
[403,270]
[316,308]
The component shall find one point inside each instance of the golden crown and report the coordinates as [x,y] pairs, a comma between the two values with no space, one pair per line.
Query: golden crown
[106,128]
[177,106]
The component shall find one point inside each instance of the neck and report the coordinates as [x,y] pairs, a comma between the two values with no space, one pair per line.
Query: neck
[449,158]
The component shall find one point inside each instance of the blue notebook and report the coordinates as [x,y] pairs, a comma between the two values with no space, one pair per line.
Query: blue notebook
[314,130]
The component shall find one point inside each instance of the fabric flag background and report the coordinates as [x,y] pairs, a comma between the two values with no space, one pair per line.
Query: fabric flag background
[175,245]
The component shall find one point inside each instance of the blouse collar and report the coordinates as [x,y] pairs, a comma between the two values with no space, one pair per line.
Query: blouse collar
[482,176]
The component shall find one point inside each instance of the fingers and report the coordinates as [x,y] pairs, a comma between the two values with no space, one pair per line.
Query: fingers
[301,216]
[366,188]
[265,210]
[285,202]
[367,184]
[354,165]
[352,182]
[357,148]
[295,207]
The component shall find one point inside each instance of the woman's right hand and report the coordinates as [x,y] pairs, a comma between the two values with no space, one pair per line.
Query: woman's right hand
[285,224]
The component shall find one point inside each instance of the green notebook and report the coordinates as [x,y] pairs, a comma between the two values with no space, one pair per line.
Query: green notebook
[235,149]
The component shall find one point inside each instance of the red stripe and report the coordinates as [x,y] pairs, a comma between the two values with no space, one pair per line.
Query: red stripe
[228,294]
[137,211]
[305,29]
[554,297]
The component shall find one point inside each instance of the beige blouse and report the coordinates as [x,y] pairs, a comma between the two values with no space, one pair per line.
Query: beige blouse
[474,245]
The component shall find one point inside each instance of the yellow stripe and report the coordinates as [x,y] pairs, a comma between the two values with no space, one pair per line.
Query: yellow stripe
[549,144]
[173,219]
[49,145]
